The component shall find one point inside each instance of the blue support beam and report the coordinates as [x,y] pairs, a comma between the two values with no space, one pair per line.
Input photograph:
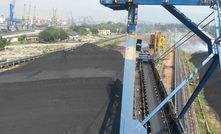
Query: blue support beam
[172,2]
[127,123]
[217,17]
[123,3]
[219,53]
[175,91]
[200,86]
[191,25]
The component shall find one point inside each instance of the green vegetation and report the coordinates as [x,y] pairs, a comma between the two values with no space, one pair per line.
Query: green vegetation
[111,42]
[3,42]
[85,29]
[203,114]
[113,27]
[52,34]
[94,30]
[22,39]
[81,30]
[144,28]
[102,36]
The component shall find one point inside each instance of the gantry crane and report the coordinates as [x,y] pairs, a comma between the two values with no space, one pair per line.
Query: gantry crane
[54,17]
[34,14]
[128,125]
[24,17]
[29,13]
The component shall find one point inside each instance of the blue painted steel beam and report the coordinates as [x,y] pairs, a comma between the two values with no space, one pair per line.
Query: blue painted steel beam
[219,53]
[155,2]
[127,123]
[217,17]
[118,7]
[175,91]
[200,86]
[217,27]
[172,2]
[191,25]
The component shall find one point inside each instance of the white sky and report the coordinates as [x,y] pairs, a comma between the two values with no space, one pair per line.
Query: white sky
[94,9]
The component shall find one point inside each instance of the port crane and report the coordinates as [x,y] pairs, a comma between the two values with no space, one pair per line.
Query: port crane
[128,125]
[11,8]
[11,23]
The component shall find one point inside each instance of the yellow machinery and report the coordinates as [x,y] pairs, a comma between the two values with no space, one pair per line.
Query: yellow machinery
[156,40]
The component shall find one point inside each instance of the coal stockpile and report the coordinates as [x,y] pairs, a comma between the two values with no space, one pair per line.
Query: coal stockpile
[212,89]
[73,92]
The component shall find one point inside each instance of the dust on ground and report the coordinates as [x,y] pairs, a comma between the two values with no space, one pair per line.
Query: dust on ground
[167,72]
[14,52]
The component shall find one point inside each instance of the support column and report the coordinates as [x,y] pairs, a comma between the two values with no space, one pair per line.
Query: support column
[219,53]
[218,30]
[127,123]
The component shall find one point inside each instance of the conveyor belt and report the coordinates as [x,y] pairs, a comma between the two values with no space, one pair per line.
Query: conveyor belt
[152,98]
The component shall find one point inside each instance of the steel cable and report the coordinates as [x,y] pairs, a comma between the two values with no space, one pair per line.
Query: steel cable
[172,48]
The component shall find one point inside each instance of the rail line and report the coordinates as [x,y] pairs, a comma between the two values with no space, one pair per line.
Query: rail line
[188,122]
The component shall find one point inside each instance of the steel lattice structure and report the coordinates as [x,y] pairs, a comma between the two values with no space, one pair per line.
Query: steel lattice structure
[128,124]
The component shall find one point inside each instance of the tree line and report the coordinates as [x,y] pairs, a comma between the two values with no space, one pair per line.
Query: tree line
[85,29]
[3,42]
[54,34]
[172,27]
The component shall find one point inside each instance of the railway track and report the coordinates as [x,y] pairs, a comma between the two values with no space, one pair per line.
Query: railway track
[188,121]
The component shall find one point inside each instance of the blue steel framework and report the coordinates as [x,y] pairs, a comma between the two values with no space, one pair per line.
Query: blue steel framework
[128,124]
[11,8]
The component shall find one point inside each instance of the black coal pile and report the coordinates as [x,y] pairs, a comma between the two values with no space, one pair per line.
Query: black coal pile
[74,92]
[212,89]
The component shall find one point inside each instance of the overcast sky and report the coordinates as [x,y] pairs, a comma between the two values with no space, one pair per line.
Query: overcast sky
[94,9]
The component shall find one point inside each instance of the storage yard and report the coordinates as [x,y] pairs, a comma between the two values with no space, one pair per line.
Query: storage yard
[57,85]
[65,92]
[63,72]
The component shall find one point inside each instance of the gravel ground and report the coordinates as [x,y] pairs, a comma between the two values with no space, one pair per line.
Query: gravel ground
[75,92]
[14,52]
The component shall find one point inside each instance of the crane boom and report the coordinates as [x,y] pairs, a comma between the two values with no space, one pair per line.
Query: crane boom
[23,17]
[34,15]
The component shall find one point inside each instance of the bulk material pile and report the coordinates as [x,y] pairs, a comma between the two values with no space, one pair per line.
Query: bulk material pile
[74,92]
[212,89]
